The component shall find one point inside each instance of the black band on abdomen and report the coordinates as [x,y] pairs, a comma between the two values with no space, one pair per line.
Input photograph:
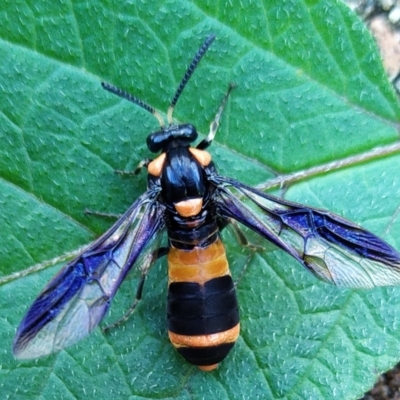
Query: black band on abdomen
[195,309]
[206,355]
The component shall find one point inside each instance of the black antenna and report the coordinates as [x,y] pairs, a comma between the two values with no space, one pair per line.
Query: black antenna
[133,99]
[199,55]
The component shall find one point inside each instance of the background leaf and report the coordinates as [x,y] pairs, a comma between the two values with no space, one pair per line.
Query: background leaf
[310,89]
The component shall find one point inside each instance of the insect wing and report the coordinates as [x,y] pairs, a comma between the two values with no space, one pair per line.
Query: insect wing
[77,298]
[332,248]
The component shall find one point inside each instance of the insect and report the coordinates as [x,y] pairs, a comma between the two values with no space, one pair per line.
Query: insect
[187,198]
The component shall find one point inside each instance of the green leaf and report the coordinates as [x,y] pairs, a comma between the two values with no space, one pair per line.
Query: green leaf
[310,89]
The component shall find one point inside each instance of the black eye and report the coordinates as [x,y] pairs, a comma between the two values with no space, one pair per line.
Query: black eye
[183,134]
[187,132]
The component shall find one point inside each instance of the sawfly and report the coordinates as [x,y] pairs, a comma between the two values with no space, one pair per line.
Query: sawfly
[188,199]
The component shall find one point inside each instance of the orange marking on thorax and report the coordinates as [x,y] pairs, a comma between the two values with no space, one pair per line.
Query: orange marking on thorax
[189,208]
[155,167]
[203,157]
[199,264]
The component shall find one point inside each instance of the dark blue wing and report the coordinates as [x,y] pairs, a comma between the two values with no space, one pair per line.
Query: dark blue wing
[332,248]
[77,298]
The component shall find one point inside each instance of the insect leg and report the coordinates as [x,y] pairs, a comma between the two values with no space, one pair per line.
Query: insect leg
[126,173]
[244,268]
[215,123]
[238,233]
[142,164]
[132,308]
[101,214]
[162,251]
[241,238]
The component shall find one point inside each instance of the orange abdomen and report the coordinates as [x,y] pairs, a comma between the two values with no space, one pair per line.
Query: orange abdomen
[203,315]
